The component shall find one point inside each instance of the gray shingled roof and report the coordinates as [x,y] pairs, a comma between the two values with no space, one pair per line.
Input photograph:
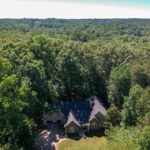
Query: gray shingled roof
[80,112]
[70,119]
[81,109]
[98,107]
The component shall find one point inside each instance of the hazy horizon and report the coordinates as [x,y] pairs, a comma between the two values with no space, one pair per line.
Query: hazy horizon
[71,9]
[79,18]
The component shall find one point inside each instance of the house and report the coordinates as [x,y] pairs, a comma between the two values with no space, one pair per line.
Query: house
[75,116]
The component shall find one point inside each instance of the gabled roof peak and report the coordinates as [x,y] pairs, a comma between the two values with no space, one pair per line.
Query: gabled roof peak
[71,118]
[97,107]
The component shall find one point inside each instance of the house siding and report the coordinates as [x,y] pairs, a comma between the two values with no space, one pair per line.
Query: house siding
[94,124]
[72,128]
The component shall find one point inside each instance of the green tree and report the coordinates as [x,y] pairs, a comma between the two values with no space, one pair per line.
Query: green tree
[143,106]
[119,85]
[144,138]
[113,117]
[129,112]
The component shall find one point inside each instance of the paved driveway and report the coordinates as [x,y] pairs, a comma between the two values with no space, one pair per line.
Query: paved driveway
[44,140]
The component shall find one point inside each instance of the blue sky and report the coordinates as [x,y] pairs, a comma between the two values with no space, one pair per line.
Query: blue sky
[75,9]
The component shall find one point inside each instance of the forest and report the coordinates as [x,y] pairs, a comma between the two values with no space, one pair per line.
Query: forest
[45,60]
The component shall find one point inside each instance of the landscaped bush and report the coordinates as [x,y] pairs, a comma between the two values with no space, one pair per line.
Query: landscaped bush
[144,138]
[122,139]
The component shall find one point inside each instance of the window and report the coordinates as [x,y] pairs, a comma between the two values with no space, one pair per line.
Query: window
[94,125]
[72,129]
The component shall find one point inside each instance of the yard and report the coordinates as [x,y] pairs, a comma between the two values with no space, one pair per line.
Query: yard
[90,143]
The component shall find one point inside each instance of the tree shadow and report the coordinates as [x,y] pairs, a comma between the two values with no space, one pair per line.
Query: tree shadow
[94,133]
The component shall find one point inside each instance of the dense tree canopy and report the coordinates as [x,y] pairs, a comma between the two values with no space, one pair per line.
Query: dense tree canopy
[42,61]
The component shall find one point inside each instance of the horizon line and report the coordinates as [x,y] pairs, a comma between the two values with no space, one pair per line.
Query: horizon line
[72,18]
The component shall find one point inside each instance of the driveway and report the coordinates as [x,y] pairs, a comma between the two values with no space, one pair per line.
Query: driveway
[45,139]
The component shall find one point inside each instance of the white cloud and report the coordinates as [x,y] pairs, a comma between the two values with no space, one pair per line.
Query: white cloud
[49,9]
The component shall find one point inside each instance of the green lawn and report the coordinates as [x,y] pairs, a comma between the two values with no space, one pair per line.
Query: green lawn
[90,143]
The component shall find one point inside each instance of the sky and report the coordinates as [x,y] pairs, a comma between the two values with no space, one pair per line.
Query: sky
[74,9]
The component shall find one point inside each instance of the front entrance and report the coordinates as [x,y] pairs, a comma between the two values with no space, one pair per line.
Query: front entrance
[82,133]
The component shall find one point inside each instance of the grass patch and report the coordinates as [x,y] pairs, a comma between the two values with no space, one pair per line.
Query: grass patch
[90,143]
